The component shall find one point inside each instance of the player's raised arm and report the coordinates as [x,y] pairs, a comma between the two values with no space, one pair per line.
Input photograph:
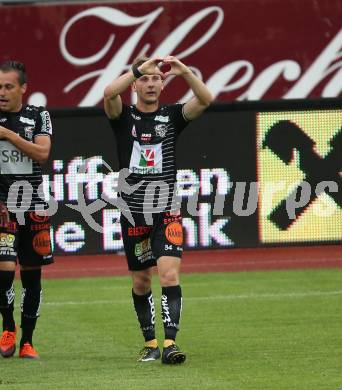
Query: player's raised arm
[203,97]
[111,95]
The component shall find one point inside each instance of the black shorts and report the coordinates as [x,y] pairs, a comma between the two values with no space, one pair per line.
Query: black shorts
[29,243]
[144,243]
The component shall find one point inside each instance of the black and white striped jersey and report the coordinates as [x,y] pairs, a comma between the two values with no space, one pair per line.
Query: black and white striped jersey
[20,176]
[146,145]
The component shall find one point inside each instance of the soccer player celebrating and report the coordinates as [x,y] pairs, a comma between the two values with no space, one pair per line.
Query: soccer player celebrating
[152,224]
[25,132]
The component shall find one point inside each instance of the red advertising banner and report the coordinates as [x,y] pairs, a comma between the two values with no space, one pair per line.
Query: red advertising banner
[243,50]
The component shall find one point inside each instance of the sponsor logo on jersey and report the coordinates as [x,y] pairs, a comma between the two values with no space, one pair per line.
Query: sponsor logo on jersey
[7,252]
[139,230]
[40,226]
[7,240]
[143,250]
[13,157]
[172,217]
[13,161]
[146,159]
[145,137]
[142,247]
[174,233]
[46,122]
[7,244]
[41,243]
[161,118]
[28,121]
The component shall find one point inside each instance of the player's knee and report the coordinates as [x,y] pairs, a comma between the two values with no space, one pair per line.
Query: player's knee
[141,283]
[169,277]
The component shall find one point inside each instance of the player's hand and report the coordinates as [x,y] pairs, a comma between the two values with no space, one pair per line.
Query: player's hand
[4,215]
[172,66]
[151,66]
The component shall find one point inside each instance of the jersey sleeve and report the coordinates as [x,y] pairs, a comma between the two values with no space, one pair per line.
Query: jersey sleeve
[43,123]
[118,124]
[178,118]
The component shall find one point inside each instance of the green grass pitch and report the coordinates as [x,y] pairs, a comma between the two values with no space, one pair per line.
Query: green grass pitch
[241,331]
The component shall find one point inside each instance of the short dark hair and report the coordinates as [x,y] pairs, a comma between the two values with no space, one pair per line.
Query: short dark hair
[18,67]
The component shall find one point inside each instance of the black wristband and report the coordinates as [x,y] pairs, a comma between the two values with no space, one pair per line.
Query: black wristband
[136,73]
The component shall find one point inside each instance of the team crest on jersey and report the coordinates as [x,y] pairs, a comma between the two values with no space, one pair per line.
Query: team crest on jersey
[29,132]
[160,130]
[2,120]
[134,132]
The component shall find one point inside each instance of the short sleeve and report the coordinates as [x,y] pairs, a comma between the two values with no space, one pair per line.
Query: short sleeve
[178,118]
[43,123]
[119,123]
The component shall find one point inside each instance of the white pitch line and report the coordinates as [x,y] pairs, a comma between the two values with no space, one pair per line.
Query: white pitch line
[230,297]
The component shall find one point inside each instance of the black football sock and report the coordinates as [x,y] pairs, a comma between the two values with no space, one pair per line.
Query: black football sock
[7,299]
[171,305]
[144,307]
[30,303]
